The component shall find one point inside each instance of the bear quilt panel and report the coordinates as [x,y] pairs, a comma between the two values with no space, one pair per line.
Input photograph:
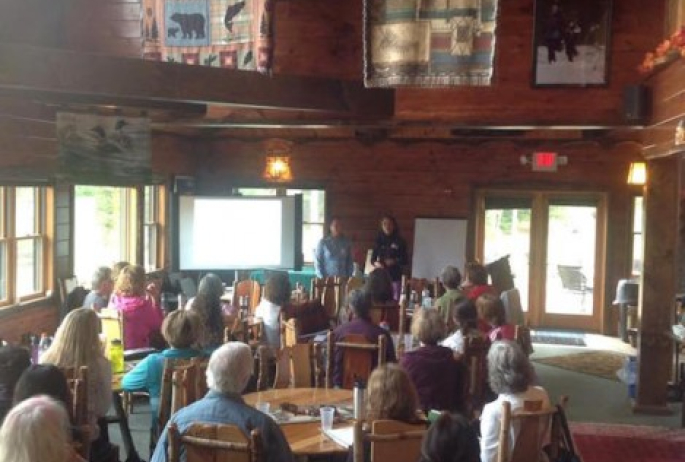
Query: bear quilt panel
[235,34]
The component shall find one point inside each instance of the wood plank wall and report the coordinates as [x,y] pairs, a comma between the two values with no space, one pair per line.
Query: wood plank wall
[668,108]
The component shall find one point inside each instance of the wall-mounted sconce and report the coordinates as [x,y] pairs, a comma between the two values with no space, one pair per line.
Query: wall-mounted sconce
[637,175]
[277,167]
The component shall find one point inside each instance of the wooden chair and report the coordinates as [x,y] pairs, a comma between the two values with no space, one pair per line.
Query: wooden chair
[247,288]
[298,366]
[475,362]
[353,284]
[522,337]
[77,380]
[329,291]
[390,440]
[183,383]
[534,423]
[357,358]
[214,443]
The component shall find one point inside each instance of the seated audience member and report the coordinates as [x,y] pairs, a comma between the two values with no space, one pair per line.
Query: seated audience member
[451,438]
[482,303]
[493,313]
[208,306]
[379,286]
[476,281]
[391,395]
[510,375]
[37,430]
[359,302]
[432,368]
[141,312]
[180,329]
[276,295]
[229,371]
[116,270]
[451,279]
[77,343]
[43,379]
[466,320]
[13,361]
[101,289]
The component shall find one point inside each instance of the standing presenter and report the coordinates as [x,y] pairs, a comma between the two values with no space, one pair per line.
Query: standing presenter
[333,255]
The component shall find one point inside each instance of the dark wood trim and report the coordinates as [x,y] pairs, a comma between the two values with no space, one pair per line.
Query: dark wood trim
[121,81]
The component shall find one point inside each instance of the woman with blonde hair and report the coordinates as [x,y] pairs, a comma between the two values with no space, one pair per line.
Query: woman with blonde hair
[391,395]
[437,376]
[77,343]
[37,430]
[138,305]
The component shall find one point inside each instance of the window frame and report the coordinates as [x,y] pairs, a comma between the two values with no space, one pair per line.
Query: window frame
[153,221]
[633,233]
[41,235]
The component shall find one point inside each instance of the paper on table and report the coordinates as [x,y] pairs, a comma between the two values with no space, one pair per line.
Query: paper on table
[343,436]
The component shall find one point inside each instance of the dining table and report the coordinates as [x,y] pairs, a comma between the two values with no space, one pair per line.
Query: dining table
[305,438]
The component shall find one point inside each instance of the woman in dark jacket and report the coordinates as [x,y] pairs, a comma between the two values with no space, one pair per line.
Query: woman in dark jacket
[390,252]
[437,376]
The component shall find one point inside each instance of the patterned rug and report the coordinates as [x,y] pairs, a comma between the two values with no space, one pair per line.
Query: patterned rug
[602,364]
[558,338]
[628,443]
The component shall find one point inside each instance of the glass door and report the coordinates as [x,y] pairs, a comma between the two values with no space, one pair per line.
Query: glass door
[506,231]
[556,247]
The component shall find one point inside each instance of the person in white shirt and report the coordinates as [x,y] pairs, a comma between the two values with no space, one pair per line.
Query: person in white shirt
[276,294]
[511,376]
[466,321]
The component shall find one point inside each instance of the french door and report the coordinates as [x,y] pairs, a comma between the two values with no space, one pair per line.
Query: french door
[556,244]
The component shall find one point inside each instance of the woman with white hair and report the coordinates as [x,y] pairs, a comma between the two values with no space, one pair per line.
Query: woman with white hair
[511,376]
[228,372]
[37,430]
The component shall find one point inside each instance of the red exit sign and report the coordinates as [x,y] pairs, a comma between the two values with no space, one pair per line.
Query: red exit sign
[545,161]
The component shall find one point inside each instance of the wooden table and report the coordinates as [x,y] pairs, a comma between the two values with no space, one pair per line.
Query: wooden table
[305,439]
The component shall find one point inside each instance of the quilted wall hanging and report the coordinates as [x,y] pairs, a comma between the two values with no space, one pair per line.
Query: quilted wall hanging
[235,34]
[429,43]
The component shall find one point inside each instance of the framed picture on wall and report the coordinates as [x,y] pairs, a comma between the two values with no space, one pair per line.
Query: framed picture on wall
[571,43]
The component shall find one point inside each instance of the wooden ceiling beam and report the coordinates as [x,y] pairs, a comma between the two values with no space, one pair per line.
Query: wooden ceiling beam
[121,81]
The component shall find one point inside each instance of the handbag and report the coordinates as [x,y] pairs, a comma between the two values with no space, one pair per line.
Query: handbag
[566,451]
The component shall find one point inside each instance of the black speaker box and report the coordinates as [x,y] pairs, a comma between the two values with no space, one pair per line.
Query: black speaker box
[637,103]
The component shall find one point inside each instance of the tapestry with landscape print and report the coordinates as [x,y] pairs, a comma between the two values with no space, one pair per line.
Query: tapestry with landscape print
[429,43]
[235,34]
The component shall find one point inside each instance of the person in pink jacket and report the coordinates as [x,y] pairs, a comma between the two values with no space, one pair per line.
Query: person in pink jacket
[138,304]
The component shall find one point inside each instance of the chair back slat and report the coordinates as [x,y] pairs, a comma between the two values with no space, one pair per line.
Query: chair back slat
[214,443]
[358,357]
[183,382]
[533,423]
[390,440]
[475,360]
[247,288]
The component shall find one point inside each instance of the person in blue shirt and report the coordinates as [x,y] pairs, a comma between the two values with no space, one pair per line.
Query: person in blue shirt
[180,329]
[333,256]
[228,373]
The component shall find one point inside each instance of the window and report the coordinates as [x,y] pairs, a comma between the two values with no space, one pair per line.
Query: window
[22,243]
[102,224]
[638,242]
[313,214]
[153,216]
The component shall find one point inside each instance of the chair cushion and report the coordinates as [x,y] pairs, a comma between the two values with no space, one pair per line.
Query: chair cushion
[311,316]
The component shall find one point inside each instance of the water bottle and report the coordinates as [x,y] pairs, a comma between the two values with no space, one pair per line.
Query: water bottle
[426,300]
[116,356]
[43,345]
[35,349]
[359,395]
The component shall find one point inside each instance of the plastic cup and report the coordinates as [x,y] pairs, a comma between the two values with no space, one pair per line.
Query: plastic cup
[327,414]
[263,407]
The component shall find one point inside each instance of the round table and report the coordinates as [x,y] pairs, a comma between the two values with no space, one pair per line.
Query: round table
[305,439]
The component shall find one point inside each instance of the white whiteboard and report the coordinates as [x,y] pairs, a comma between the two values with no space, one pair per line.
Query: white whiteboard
[438,242]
